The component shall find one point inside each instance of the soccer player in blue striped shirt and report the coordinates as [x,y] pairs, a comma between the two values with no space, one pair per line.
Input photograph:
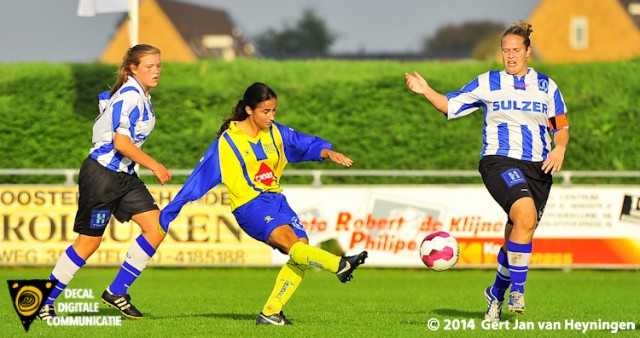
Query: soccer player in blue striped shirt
[108,183]
[524,113]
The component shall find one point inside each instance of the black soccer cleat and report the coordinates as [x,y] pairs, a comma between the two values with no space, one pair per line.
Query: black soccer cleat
[277,319]
[47,312]
[348,264]
[122,303]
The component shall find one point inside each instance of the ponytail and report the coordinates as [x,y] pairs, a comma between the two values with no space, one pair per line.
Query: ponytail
[239,113]
[253,96]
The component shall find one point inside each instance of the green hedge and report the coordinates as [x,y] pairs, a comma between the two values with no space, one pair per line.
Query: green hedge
[363,107]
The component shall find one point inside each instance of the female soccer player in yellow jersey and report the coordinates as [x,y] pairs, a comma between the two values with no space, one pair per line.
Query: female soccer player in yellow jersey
[248,156]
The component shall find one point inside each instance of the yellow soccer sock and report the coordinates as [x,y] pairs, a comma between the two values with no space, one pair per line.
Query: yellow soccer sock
[288,280]
[305,254]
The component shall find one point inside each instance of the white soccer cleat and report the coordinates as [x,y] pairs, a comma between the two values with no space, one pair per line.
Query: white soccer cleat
[516,302]
[494,307]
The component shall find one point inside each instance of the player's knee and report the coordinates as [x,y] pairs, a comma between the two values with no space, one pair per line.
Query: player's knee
[524,220]
[85,246]
[523,213]
[283,238]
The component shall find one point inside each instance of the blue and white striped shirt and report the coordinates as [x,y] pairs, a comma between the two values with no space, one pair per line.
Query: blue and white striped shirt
[127,112]
[519,113]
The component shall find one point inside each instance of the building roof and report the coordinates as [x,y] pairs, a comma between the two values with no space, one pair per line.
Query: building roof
[633,8]
[195,23]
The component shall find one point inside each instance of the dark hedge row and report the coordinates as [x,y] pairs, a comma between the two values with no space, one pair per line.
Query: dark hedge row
[364,108]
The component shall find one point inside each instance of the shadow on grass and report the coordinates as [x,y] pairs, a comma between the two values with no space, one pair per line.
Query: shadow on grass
[450,313]
[232,316]
[446,313]
[453,313]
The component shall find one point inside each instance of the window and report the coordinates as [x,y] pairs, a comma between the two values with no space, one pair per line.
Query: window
[579,32]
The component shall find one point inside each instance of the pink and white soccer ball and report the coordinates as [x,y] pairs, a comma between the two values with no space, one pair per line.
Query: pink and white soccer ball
[439,250]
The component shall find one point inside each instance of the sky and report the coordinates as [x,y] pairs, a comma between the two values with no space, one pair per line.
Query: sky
[51,31]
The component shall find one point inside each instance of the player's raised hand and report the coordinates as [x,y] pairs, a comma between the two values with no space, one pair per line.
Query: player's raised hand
[416,83]
[419,85]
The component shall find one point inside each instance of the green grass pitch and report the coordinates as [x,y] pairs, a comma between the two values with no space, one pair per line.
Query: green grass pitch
[224,302]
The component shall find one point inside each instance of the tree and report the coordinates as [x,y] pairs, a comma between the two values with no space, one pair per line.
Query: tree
[487,48]
[459,42]
[310,37]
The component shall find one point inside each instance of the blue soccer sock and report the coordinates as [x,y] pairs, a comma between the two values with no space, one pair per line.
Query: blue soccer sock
[503,276]
[519,256]
[68,264]
[138,257]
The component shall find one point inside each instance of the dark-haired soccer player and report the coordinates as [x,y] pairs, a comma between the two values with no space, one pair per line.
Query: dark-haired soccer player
[248,156]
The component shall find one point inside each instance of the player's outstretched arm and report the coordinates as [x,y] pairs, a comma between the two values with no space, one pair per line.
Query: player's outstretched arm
[124,145]
[419,85]
[336,157]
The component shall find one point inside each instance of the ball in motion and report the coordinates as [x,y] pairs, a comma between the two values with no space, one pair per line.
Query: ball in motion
[439,251]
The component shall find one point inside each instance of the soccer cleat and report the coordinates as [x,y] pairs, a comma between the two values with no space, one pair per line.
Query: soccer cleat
[348,264]
[516,302]
[494,307]
[47,312]
[122,303]
[277,319]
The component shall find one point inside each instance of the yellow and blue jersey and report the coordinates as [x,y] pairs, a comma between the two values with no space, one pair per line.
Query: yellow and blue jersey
[247,166]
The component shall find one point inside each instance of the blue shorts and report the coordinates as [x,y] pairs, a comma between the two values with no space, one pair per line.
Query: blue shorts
[260,216]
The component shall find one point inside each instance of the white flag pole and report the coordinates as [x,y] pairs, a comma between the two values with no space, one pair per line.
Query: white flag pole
[133,22]
[93,7]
